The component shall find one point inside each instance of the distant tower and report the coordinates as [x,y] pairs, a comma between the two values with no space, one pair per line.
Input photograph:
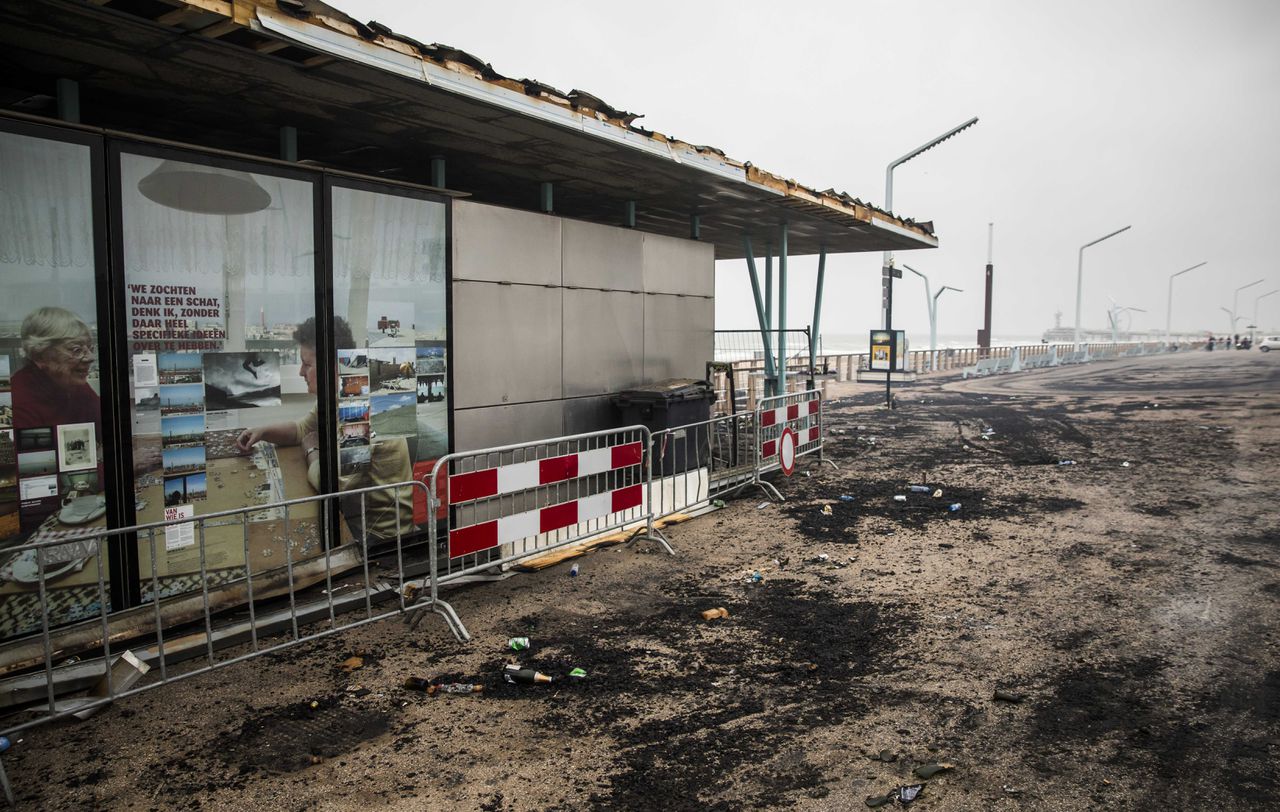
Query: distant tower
[1057,320]
[262,316]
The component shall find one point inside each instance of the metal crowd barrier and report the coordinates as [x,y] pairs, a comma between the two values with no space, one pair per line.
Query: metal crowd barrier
[790,427]
[700,462]
[129,669]
[498,505]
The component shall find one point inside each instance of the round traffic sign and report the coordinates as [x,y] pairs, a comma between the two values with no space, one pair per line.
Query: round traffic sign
[787,451]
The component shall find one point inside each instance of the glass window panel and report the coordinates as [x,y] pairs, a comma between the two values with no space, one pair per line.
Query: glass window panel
[219,277]
[51,472]
[389,278]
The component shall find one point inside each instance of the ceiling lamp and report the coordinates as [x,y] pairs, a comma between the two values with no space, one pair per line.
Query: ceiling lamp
[204,189]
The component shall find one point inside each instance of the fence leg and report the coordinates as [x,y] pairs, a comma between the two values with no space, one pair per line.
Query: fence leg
[651,533]
[769,490]
[442,608]
[4,784]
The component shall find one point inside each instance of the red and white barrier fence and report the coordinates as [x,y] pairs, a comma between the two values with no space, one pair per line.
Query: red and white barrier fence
[498,505]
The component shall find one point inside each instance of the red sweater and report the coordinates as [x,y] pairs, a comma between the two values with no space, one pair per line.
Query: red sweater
[38,401]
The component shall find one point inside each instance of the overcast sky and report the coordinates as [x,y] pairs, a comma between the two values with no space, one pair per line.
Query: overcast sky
[1160,114]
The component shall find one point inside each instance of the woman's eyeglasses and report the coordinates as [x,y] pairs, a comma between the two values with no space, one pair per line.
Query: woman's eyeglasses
[79,350]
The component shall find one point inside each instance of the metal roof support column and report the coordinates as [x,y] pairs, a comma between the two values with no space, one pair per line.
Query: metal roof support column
[629,214]
[817,309]
[782,310]
[545,199]
[695,227]
[437,171]
[755,291]
[69,100]
[289,143]
[771,380]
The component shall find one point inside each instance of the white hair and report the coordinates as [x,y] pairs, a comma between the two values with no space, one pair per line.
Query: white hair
[47,325]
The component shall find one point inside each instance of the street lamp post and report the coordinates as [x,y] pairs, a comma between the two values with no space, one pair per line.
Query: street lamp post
[1080,279]
[1235,297]
[1255,308]
[1168,319]
[1230,330]
[931,304]
[886,301]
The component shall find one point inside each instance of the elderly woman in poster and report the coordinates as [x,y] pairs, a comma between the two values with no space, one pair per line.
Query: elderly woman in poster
[53,388]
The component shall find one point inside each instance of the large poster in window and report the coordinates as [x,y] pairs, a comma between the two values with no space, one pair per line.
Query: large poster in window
[51,476]
[389,283]
[219,269]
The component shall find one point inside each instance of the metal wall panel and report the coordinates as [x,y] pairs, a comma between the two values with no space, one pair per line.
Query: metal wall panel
[598,256]
[671,265]
[582,415]
[679,336]
[505,245]
[603,341]
[506,344]
[504,425]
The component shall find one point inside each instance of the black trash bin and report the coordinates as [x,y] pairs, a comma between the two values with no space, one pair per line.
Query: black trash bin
[671,404]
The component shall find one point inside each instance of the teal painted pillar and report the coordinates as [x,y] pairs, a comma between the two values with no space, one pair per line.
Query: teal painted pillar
[755,291]
[817,309]
[782,310]
[545,198]
[437,171]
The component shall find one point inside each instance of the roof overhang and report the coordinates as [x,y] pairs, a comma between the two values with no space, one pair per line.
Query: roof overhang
[229,74]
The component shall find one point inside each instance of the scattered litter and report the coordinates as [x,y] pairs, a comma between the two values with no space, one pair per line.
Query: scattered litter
[898,497]
[927,771]
[1010,790]
[1124,464]
[518,643]
[918,488]
[762,506]
[316,759]
[573,571]
[579,673]
[717,503]
[313,704]
[525,676]
[909,794]
[937,494]
[455,688]
[826,510]
[966,448]
[715,614]
[754,578]
[953,507]
[1066,462]
[5,744]
[844,497]
[1007,696]
[822,558]
[351,664]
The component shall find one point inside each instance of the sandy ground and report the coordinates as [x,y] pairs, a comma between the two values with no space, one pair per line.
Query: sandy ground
[1131,609]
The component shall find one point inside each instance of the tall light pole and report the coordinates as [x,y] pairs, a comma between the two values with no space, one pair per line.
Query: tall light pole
[1255,307]
[887,273]
[1235,297]
[1232,316]
[1080,279]
[931,304]
[1168,318]
[1114,315]
[887,304]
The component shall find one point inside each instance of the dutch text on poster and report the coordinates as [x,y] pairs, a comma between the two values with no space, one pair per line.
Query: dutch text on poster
[179,536]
